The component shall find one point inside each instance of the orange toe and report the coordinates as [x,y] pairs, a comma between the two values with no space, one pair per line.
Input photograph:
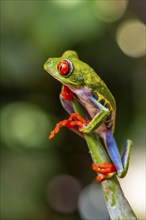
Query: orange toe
[101,178]
[74,120]
[106,169]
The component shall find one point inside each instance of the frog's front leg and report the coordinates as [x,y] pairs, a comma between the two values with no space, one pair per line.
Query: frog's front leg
[99,118]
[66,98]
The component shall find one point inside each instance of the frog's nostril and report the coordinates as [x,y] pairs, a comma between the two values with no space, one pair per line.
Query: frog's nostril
[49,62]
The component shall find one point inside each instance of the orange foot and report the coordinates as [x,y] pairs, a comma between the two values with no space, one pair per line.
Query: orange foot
[106,169]
[74,120]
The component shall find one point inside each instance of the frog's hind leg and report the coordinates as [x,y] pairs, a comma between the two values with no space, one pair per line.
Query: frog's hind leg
[120,164]
[113,152]
[67,104]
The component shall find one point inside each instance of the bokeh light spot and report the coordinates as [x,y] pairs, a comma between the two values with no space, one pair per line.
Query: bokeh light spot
[111,10]
[130,37]
[63,193]
[24,124]
[91,203]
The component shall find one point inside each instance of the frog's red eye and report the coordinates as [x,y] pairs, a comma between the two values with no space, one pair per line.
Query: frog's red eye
[64,67]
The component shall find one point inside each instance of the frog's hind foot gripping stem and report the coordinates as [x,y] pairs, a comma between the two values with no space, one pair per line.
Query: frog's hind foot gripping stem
[106,170]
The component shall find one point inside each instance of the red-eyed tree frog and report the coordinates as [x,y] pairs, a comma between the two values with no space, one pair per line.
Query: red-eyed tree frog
[82,83]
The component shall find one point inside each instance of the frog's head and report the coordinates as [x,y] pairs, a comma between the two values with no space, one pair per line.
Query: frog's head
[68,69]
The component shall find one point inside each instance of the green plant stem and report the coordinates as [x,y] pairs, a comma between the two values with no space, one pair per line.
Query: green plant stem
[117,204]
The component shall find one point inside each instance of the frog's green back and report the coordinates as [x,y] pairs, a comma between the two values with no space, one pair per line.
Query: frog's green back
[87,77]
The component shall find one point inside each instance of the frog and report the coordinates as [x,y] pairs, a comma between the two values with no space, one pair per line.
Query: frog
[80,82]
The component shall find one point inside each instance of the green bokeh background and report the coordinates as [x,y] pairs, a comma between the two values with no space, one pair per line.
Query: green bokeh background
[32,31]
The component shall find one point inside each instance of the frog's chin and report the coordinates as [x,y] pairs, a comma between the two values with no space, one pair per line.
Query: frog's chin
[62,79]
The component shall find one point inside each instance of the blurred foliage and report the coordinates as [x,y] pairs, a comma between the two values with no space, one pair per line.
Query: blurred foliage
[32,31]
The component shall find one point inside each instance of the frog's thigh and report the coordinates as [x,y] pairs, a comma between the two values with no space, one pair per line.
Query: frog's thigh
[67,105]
